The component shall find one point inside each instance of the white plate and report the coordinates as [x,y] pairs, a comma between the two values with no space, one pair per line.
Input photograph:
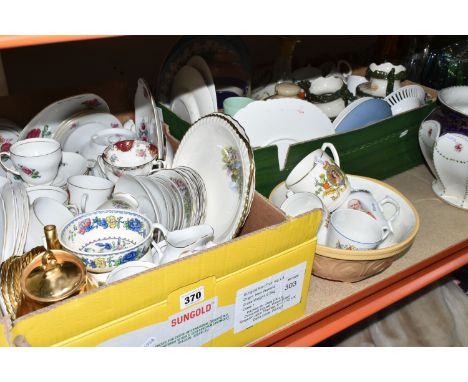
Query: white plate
[185,107]
[47,121]
[200,64]
[8,137]
[2,229]
[9,238]
[403,224]
[219,153]
[188,80]
[79,130]
[283,119]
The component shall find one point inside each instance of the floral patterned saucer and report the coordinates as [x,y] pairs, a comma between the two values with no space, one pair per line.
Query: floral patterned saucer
[217,150]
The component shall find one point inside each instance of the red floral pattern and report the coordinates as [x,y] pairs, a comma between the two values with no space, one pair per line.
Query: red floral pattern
[458,147]
[34,133]
[124,146]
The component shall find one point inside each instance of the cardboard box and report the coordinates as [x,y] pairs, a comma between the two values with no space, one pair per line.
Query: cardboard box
[228,295]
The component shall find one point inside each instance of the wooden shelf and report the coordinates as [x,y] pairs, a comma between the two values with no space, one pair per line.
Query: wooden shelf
[15,41]
[440,248]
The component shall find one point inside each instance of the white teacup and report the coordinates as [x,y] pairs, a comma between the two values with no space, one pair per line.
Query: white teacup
[128,269]
[36,160]
[302,202]
[45,211]
[319,174]
[352,82]
[355,230]
[181,243]
[363,200]
[89,192]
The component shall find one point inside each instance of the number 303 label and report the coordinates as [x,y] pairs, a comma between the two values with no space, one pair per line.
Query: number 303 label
[193,297]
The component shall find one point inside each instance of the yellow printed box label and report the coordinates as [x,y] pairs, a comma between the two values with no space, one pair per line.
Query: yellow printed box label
[200,323]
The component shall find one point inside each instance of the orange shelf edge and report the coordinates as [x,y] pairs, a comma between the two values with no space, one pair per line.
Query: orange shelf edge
[317,327]
[15,41]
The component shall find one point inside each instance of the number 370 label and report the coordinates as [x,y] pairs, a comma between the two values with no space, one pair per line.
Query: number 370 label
[193,297]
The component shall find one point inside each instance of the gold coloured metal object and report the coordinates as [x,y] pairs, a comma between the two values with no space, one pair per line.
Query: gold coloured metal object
[51,237]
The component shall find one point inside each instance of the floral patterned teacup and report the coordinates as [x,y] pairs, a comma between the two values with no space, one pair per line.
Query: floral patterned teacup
[36,160]
[355,230]
[130,157]
[321,175]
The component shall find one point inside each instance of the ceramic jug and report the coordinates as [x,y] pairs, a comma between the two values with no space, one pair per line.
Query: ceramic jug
[385,78]
[329,94]
[443,138]
[181,243]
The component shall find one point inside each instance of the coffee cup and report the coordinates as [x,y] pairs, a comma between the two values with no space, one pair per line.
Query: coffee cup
[355,230]
[89,192]
[120,200]
[35,160]
[321,175]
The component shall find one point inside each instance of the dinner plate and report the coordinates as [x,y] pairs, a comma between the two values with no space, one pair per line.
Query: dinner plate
[185,107]
[2,229]
[280,120]
[200,64]
[189,80]
[223,158]
[47,121]
[405,223]
[10,219]
[8,136]
[362,113]
[78,132]
[146,121]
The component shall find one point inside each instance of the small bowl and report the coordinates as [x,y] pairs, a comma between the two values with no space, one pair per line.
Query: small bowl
[105,239]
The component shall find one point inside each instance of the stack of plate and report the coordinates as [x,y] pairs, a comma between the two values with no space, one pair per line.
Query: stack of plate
[193,93]
[14,220]
[174,198]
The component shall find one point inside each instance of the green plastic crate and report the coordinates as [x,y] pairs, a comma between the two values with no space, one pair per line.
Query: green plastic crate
[380,150]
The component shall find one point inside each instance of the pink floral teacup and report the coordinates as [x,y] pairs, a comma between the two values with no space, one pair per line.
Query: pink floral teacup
[36,160]
[130,157]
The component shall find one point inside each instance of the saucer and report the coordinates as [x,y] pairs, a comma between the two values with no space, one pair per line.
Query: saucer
[455,202]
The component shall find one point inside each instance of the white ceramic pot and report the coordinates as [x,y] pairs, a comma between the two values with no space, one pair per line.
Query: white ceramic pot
[321,175]
[326,85]
[36,160]
[355,230]
[378,85]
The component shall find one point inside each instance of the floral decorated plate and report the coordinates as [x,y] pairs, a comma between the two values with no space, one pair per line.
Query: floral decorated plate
[223,158]
[77,132]
[283,120]
[146,120]
[47,121]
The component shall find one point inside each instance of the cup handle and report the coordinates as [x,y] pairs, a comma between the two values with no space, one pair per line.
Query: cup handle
[385,232]
[158,256]
[101,165]
[73,209]
[332,148]
[84,200]
[4,166]
[160,227]
[394,203]
[347,64]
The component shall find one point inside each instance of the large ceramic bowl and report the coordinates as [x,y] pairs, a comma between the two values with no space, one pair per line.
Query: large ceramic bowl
[107,238]
[350,266]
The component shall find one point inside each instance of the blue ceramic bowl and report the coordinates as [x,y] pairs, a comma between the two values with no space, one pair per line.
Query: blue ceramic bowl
[364,114]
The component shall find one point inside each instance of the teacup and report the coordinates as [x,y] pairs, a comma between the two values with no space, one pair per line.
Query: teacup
[36,160]
[103,139]
[355,230]
[363,200]
[302,202]
[45,211]
[181,243]
[131,157]
[89,192]
[120,200]
[321,175]
[52,192]
[352,82]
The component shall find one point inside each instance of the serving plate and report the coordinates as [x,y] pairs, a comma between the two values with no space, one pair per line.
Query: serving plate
[200,64]
[47,121]
[223,158]
[281,122]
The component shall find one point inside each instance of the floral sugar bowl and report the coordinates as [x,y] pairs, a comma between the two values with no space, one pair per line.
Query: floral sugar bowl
[443,138]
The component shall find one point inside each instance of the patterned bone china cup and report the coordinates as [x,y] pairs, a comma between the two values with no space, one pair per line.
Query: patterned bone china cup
[105,239]
[36,160]
[321,175]
[129,157]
